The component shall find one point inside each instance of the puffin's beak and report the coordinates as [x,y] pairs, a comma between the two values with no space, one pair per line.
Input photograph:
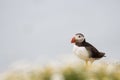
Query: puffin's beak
[73,40]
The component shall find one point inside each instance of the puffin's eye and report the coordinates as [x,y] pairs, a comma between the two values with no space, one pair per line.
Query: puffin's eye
[79,36]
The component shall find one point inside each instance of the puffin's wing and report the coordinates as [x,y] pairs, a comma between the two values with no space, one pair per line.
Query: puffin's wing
[94,53]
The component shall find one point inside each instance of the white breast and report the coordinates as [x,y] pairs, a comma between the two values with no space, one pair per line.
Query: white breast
[81,52]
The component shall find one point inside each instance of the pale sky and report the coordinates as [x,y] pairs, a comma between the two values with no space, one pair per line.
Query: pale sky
[41,30]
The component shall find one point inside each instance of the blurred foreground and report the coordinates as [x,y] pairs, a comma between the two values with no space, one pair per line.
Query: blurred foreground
[101,71]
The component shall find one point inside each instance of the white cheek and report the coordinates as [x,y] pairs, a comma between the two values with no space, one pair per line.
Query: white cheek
[81,39]
[76,37]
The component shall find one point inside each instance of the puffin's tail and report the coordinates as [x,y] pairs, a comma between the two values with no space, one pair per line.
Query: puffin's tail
[102,55]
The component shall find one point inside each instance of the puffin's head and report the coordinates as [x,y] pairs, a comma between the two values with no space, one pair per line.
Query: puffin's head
[78,38]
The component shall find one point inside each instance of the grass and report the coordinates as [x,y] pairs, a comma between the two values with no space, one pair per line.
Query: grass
[69,72]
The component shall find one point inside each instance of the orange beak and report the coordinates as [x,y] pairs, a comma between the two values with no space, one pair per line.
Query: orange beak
[73,40]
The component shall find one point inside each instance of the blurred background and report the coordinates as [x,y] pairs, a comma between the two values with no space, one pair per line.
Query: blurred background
[40,31]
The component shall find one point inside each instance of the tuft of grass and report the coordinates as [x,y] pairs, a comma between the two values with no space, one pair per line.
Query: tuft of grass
[71,72]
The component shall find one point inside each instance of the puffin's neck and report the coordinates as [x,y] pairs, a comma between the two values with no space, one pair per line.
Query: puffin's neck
[79,44]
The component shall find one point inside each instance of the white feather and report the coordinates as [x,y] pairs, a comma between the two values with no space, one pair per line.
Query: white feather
[81,52]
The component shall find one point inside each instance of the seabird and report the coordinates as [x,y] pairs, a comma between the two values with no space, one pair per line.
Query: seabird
[85,50]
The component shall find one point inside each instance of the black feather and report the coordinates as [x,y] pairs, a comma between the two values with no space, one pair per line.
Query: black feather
[94,53]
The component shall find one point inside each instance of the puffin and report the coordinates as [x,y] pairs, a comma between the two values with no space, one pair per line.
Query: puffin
[85,50]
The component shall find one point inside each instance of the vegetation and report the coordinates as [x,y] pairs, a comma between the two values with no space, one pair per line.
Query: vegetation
[72,72]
